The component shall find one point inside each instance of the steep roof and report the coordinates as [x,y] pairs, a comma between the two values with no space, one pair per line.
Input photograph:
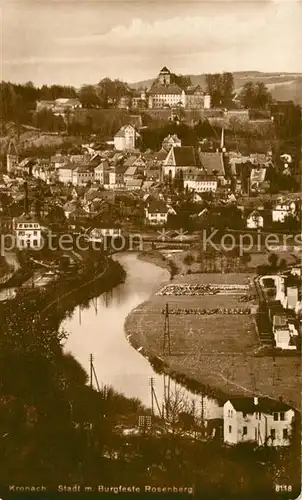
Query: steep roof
[265,405]
[165,89]
[212,161]
[131,171]
[27,219]
[185,156]
[192,89]
[121,132]
[157,207]
[165,70]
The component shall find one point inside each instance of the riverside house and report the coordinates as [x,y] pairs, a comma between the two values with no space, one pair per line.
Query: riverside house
[261,421]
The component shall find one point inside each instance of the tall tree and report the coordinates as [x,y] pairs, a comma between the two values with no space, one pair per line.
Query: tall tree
[220,86]
[89,97]
[182,81]
[110,91]
[255,95]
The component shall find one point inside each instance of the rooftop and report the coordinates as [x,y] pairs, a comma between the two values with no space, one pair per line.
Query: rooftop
[165,89]
[212,162]
[265,405]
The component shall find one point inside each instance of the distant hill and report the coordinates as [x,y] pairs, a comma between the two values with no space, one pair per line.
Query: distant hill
[284,86]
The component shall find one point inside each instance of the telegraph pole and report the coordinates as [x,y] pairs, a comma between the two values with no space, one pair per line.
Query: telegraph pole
[91,370]
[167,340]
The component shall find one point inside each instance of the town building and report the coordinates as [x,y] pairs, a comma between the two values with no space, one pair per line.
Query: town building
[254,220]
[59,106]
[165,92]
[65,173]
[213,164]
[101,173]
[82,175]
[282,210]
[194,97]
[256,420]
[200,183]
[179,159]
[28,232]
[126,138]
[157,212]
[171,141]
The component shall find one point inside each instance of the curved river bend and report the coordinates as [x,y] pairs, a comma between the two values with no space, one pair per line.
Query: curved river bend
[99,330]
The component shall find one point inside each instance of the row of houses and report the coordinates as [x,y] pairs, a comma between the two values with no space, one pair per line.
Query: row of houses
[282,294]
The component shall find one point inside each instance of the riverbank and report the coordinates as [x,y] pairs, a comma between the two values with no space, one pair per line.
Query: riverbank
[215,353]
[45,401]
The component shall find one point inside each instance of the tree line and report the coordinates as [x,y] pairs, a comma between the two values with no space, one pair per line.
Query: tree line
[221,87]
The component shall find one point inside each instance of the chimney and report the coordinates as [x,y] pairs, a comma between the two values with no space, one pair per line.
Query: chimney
[25,198]
[256,401]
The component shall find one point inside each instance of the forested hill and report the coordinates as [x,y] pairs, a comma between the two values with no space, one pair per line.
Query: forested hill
[283,86]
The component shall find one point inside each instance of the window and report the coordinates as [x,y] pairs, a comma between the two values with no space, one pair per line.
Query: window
[230,429]
[35,233]
[282,416]
[35,243]
[273,433]
[285,433]
[244,430]
[275,416]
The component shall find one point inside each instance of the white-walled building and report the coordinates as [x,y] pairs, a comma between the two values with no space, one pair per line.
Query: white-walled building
[282,210]
[101,173]
[201,183]
[28,232]
[261,421]
[82,175]
[65,173]
[171,141]
[126,138]
[254,220]
[157,213]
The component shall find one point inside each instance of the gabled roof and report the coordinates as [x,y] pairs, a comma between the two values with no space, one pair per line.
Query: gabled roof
[122,130]
[164,70]
[265,405]
[183,156]
[212,161]
[157,207]
[133,182]
[129,161]
[165,89]
[26,218]
[192,89]
[131,171]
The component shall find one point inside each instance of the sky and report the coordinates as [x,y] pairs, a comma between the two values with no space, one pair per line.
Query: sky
[75,42]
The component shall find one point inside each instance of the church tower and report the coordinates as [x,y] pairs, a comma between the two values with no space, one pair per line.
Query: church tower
[164,76]
[12,158]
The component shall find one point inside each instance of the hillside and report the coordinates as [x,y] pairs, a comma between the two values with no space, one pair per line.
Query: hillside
[284,86]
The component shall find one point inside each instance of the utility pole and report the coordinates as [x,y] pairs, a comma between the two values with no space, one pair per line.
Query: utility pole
[154,398]
[80,315]
[202,415]
[152,395]
[167,393]
[167,340]
[91,370]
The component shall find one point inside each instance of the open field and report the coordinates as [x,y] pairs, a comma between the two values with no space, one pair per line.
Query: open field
[217,351]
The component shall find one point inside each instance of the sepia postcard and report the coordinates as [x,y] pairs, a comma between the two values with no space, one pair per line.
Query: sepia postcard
[150,249]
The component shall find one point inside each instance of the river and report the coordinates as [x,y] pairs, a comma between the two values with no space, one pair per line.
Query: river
[99,330]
